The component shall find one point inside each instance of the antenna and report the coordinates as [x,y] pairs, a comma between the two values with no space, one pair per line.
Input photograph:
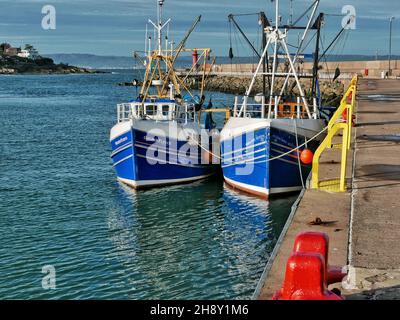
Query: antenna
[145,42]
[159,26]
[291,12]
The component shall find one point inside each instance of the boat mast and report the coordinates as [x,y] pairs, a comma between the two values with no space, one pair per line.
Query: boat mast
[277,38]
[159,25]
[274,36]
[156,57]
[167,80]
[318,25]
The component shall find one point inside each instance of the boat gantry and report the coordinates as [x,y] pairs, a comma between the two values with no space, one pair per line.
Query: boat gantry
[262,143]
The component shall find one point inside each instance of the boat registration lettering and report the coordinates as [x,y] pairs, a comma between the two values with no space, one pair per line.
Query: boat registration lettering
[117,143]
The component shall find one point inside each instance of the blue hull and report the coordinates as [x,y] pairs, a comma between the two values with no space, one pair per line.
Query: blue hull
[250,169]
[133,166]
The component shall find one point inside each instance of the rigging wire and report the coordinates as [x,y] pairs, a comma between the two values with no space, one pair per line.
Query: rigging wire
[304,14]
[263,161]
[344,42]
[325,60]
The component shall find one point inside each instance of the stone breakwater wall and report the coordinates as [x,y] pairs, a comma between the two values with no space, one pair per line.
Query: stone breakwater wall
[331,91]
[348,68]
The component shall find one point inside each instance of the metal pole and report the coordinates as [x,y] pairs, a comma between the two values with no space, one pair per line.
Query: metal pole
[275,60]
[159,23]
[235,107]
[291,13]
[263,106]
[390,45]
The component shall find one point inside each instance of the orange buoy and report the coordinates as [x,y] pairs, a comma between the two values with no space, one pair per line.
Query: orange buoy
[306,156]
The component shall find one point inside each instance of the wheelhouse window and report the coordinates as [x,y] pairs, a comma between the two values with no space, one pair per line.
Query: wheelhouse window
[151,110]
[165,110]
[287,110]
[134,109]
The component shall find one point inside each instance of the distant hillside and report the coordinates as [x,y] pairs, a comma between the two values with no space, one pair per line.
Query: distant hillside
[93,61]
[40,65]
[114,62]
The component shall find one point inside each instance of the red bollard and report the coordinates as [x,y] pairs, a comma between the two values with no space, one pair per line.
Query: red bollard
[334,274]
[305,279]
[318,242]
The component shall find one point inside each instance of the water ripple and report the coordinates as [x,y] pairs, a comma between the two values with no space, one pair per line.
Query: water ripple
[60,205]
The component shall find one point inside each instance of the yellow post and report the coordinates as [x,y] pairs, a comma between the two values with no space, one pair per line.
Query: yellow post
[350,114]
[343,163]
[334,126]
[324,145]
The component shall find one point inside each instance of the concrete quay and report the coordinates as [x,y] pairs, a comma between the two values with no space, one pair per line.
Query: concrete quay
[363,224]
[347,68]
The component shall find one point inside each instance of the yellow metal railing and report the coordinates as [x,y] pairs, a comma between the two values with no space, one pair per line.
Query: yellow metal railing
[341,121]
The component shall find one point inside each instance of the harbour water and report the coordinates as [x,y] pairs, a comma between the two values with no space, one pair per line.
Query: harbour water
[60,205]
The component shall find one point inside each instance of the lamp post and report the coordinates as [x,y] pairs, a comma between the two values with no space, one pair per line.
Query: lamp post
[390,44]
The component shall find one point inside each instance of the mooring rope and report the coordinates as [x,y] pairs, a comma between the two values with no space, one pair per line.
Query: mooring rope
[267,160]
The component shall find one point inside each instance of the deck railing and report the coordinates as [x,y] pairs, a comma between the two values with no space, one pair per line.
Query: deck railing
[124,112]
[342,121]
[251,108]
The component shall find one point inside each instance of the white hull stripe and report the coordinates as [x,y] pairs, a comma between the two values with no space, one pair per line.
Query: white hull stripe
[247,186]
[122,160]
[281,145]
[246,161]
[120,149]
[252,161]
[242,156]
[285,190]
[148,183]
[262,190]
[288,155]
[249,147]
[154,142]
[164,162]
[173,152]
[305,132]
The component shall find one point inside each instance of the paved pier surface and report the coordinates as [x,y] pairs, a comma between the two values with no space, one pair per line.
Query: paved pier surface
[363,224]
[374,254]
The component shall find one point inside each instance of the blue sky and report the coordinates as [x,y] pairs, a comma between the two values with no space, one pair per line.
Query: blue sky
[116,27]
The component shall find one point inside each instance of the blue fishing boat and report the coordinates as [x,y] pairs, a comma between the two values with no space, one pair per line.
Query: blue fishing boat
[262,144]
[158,139]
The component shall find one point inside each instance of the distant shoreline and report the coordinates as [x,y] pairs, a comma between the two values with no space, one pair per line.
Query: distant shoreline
[55,73]
[15,65]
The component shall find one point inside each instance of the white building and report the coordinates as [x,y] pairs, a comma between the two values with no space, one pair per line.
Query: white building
[23,54]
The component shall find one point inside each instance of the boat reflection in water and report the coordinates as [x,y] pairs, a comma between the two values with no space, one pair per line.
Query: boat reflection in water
[172,247]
